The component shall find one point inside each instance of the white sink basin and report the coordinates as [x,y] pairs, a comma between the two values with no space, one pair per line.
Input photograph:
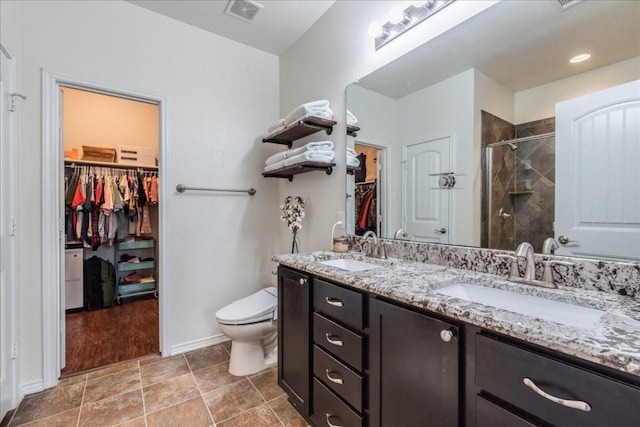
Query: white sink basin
[559,312]
[349,264]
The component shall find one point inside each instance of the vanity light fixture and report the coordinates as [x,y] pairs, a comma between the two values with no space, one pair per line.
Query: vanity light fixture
[580,58]
[403,20]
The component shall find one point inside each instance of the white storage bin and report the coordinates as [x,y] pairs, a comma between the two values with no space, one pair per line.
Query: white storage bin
[138,156]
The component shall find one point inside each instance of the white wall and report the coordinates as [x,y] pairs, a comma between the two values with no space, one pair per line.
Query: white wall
[332,54]
[222,95]
[540,102]
[441,110]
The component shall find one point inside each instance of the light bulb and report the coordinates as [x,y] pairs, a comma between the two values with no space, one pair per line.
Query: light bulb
[396,15]
[580,58]
[375,29]
[417,3]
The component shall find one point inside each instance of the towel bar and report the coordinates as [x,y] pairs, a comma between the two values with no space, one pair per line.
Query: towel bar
[181,188]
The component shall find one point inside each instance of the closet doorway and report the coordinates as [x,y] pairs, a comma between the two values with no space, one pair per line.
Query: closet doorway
[369,191]
[111,284]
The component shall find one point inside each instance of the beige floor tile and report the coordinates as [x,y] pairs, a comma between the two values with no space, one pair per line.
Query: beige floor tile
[260,416]
[63,419]
[112,411]
[215,376]
[48,403]
[287,413]
[164,370]
[112,385]
[112,369]
[154,358]
[170,392]
[206,357]
[74,379]
[227,346]
[136,422]
[267,384]
[231,400]
[192,413]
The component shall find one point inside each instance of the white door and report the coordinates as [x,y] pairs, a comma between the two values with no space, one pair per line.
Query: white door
[598,174]
[426,207]
[7,238]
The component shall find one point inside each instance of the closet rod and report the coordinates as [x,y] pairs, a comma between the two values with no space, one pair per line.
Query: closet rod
[74,163]
[181,188]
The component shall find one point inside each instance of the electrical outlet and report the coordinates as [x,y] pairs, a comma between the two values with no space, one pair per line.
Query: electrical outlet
[341,217]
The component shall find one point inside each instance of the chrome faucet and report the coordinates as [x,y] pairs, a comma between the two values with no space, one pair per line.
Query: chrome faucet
[549,246]
[374,248]
[526,250]
[400,234]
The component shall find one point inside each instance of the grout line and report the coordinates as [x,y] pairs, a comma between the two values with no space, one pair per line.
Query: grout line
[144,406]
[265,400]
[199,391]
[84,390]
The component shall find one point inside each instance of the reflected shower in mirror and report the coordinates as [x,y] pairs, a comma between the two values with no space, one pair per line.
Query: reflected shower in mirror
[464,128]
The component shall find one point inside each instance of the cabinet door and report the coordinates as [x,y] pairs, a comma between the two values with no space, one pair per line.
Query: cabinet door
[413,370]
[294,361]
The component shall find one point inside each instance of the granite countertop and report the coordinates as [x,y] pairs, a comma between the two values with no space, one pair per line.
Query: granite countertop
[614,341]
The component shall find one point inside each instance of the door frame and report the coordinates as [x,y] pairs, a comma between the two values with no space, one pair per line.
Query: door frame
[53,225]
[9,149]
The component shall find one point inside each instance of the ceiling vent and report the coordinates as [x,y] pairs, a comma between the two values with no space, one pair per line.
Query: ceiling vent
[245,10]
[568,3]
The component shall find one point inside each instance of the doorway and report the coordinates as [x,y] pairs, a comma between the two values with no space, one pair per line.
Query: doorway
[369,190]
[101,162]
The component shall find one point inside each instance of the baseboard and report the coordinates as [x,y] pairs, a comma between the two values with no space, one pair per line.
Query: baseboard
[198,344]
[30,387]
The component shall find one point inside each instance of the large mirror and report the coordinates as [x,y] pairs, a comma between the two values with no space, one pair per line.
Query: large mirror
[459,141]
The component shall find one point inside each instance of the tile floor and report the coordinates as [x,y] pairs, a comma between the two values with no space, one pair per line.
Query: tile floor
[191,390]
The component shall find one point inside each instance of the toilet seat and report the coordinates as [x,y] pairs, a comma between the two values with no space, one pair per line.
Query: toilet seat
[255,308]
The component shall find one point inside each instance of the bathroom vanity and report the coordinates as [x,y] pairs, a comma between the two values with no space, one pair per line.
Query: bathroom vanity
[381,347]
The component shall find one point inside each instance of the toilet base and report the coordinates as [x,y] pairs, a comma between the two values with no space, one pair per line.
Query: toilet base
[247,357]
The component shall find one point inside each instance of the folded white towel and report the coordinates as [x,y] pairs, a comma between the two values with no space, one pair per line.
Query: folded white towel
[351,119]
[319,156]
[316,109]
[319,145]
[353,161]
[351,152]
[276,126]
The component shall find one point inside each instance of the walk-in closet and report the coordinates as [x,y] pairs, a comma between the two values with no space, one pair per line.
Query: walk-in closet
[367,190]
[111,192]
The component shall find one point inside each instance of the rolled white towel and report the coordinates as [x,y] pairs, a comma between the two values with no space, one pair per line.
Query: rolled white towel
[315,108]
[351,152]
[353,161]
[351,119]
[319,156]
[318,145]
[276,126]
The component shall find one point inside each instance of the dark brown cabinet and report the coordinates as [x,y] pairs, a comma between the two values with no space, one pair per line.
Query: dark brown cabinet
[413,368]
[294,332]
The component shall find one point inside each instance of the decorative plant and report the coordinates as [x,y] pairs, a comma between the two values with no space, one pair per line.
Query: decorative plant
[292,214]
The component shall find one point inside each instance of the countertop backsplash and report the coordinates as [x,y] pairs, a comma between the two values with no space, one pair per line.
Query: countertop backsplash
[619,277]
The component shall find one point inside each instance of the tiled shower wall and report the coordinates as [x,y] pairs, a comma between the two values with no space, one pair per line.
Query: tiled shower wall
[522,184]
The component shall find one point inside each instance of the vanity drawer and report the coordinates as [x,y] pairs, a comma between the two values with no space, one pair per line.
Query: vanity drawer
[328,410]
[489,414]
[338,341]
[338,377]
[338,303]
[501,369]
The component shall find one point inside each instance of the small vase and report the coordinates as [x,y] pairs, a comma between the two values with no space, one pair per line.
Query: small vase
[294,243]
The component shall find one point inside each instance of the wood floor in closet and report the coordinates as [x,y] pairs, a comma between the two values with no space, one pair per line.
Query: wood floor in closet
[120,332]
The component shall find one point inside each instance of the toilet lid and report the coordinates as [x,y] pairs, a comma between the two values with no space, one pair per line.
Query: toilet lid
[254,308]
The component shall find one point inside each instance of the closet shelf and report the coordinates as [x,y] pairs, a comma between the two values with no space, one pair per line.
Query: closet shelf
[289,171]
[132,266]
[300,129]
[72,163]
[352,129]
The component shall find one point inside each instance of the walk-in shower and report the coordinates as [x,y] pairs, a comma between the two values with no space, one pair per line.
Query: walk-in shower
[519,191]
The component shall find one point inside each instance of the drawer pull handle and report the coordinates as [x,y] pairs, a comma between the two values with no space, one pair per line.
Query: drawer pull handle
[336,380]
[329,423]
[334,302]
[334,339]
[575,404]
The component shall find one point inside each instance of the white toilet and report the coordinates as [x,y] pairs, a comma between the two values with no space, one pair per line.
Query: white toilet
[251,324]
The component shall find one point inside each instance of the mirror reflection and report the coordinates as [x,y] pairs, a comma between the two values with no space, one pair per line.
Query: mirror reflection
[483,136]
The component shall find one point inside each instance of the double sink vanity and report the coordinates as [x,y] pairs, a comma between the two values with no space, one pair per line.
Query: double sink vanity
[390,342]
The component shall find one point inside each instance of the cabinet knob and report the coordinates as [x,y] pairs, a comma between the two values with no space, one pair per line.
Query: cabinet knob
[446,335]
[303,281]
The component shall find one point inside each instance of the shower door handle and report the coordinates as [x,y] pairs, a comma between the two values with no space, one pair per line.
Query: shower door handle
[441,231]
